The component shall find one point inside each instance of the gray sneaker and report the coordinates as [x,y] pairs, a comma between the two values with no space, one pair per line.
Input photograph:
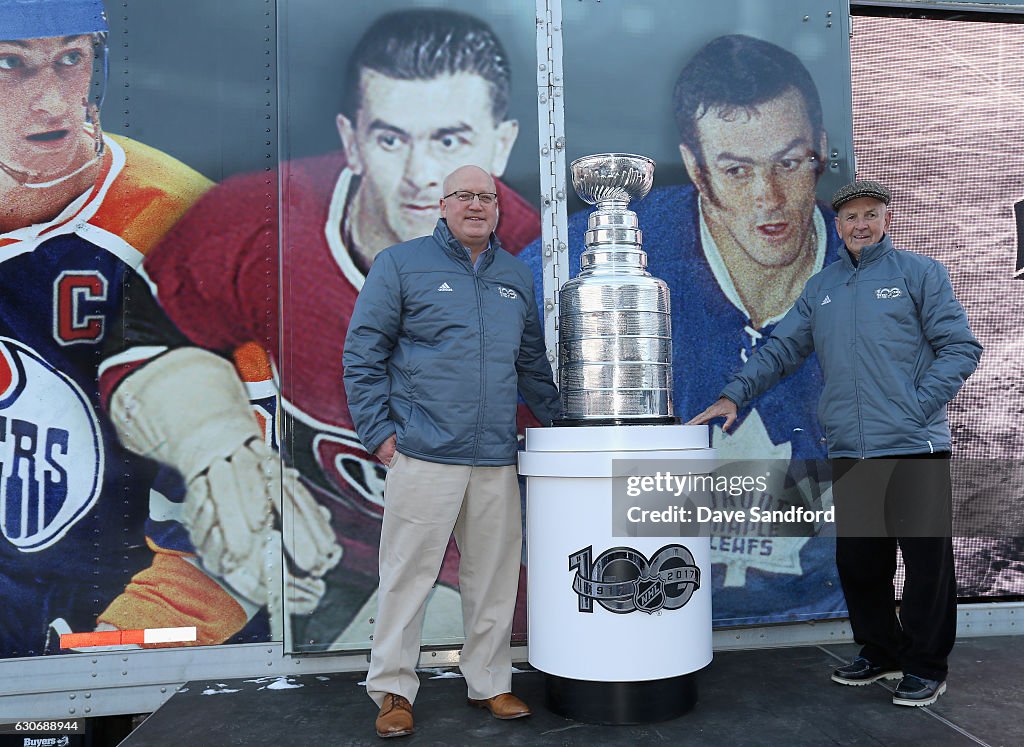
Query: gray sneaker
[917,691]
[862,672]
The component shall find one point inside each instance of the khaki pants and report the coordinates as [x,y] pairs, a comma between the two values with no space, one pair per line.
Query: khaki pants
[423,503]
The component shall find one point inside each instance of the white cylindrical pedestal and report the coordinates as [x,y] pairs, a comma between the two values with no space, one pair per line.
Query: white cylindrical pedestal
[619,624]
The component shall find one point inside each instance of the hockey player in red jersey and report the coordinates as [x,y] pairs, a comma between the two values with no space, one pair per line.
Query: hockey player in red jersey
[426,92]
[79,210]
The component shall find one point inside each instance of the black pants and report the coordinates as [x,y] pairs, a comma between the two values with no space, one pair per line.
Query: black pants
[920,639]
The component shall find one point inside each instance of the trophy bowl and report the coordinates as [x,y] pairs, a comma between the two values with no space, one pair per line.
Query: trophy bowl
[621,177]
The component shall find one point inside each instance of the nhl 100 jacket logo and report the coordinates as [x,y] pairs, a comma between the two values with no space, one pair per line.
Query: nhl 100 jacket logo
[622,579]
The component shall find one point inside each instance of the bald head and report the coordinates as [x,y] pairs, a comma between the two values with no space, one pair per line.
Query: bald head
[472,221]
[468,175]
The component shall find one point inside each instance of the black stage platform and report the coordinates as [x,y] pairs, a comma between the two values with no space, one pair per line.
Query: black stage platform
[764,697]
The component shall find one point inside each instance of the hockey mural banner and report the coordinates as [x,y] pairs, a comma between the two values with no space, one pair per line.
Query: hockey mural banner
[107,140]
[746,111]
[194,192]
[374,115]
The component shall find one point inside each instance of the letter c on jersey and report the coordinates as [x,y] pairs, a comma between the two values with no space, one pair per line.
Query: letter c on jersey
[73,292]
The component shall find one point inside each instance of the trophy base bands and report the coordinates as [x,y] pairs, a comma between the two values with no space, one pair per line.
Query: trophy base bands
[56,728]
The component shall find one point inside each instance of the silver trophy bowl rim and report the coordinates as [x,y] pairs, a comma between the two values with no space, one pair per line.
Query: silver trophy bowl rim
[636,156]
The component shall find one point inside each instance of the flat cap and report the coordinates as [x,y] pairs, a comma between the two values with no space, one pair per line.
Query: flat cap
[861,188]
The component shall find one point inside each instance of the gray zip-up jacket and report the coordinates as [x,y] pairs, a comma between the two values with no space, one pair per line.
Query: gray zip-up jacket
[894,346]
[436,351]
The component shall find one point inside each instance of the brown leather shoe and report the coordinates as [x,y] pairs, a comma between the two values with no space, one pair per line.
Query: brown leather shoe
[505,706]
[395,717]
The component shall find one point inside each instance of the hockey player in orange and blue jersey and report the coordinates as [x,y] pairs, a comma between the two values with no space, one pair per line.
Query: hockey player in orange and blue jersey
[78,212]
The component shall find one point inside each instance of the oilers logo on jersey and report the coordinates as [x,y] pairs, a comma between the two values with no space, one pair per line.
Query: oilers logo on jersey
[51,450]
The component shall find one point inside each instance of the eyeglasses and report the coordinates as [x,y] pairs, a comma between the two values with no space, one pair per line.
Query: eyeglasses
[462,195]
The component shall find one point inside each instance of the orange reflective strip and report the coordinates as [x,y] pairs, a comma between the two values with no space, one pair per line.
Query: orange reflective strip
[85,640]
[127,637]
[133,636]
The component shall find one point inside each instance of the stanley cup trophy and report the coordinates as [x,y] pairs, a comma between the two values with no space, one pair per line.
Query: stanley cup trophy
[619,617]
[615,333]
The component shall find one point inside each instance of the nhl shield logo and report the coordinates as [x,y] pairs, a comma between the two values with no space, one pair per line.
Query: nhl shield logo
[649,596]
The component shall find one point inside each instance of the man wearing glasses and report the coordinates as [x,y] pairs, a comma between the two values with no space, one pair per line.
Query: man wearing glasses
[443,334]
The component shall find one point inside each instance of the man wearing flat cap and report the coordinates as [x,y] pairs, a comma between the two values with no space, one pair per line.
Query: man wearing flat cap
[894,347]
